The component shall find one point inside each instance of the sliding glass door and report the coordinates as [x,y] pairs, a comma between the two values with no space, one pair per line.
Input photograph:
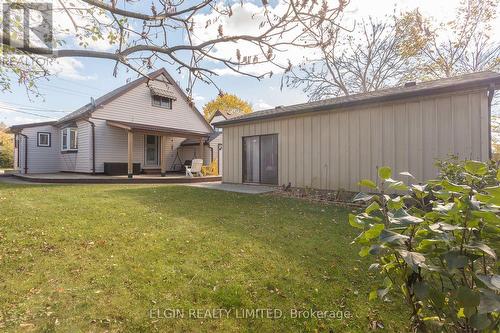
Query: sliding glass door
[251,159]
[269,159]
[260,159]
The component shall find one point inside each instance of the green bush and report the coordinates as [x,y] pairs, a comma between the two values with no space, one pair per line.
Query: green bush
[6,148]
[434,245]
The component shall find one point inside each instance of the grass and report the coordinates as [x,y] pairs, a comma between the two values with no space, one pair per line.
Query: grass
[106,258]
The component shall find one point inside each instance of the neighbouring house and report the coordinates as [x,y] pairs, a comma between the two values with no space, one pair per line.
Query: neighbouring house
[213,143]
[136,128]
[332,144]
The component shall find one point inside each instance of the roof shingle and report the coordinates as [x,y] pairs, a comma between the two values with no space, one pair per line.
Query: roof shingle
[480,79]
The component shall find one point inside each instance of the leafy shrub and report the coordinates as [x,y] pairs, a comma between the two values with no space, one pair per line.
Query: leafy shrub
[434,245]
[6,149]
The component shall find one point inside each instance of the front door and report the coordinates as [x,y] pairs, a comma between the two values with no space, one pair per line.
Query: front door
[152,143]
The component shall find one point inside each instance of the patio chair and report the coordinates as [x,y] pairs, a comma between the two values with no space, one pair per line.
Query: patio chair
[195,168]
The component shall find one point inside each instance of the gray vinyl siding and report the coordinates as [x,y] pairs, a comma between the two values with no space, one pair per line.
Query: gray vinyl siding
[214,144]
[192,152]
[111,146]
[40,159]
[81,160]
[334,150]
[135,106]
[170,151]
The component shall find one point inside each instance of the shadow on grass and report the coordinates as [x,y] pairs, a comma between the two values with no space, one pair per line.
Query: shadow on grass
[307,236]
[189,247]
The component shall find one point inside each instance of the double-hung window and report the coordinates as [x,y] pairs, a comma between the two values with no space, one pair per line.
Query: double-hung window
[162,102]
[43,139]
[69,139]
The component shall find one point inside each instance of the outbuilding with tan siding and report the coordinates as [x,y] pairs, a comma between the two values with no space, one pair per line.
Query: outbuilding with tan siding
[334,143]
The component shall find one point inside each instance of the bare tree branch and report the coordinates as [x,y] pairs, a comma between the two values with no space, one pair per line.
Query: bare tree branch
[141,40]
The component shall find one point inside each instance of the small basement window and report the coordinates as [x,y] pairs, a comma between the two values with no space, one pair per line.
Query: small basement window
[43,139]
[162,102]
[69,139]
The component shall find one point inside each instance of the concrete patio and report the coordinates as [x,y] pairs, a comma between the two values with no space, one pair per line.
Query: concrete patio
[238,188]
[208,182]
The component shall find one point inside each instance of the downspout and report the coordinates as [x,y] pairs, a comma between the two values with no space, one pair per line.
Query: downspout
[93,144]
[25,152]
[16,137]
[491,93]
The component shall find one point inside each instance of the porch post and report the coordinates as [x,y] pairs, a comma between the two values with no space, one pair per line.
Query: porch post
[130,154]
[163,161]
[201,148]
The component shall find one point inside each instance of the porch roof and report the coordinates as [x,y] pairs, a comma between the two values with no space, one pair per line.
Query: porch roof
[159,130]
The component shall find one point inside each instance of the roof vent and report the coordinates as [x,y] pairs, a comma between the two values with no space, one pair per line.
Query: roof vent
[410,84]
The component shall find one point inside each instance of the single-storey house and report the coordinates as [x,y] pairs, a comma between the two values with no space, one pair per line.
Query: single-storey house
[332,144]
[138,127]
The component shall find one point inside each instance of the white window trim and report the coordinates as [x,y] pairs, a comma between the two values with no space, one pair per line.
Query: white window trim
[38,142]
[68,131]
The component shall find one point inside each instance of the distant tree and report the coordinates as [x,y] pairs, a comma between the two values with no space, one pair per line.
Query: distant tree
[364,60]
[6,148]
[140,36]
[228,103]
[409,47]
[495,137]
[462,45]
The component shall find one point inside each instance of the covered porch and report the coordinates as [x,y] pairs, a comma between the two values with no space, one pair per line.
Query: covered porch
[156,141]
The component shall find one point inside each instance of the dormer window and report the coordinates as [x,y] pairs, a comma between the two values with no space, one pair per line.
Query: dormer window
[162,102]
[162,97]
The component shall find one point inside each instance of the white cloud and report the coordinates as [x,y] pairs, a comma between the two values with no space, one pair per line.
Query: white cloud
[261,105]
[247,17]
[63,28]
[198,98]
[246,20]
[70,68]
[64,21]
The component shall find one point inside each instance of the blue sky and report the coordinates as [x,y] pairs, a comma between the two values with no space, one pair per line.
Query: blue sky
[79,80]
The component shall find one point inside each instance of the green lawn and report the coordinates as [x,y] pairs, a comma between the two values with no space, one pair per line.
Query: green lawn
[101,257]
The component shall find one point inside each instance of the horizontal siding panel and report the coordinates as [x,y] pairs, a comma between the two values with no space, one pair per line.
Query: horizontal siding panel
[136,106]
[40,159]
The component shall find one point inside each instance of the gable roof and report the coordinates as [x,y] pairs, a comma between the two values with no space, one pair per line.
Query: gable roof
[227,114]
[112,95]
[467,81]
[87,109]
